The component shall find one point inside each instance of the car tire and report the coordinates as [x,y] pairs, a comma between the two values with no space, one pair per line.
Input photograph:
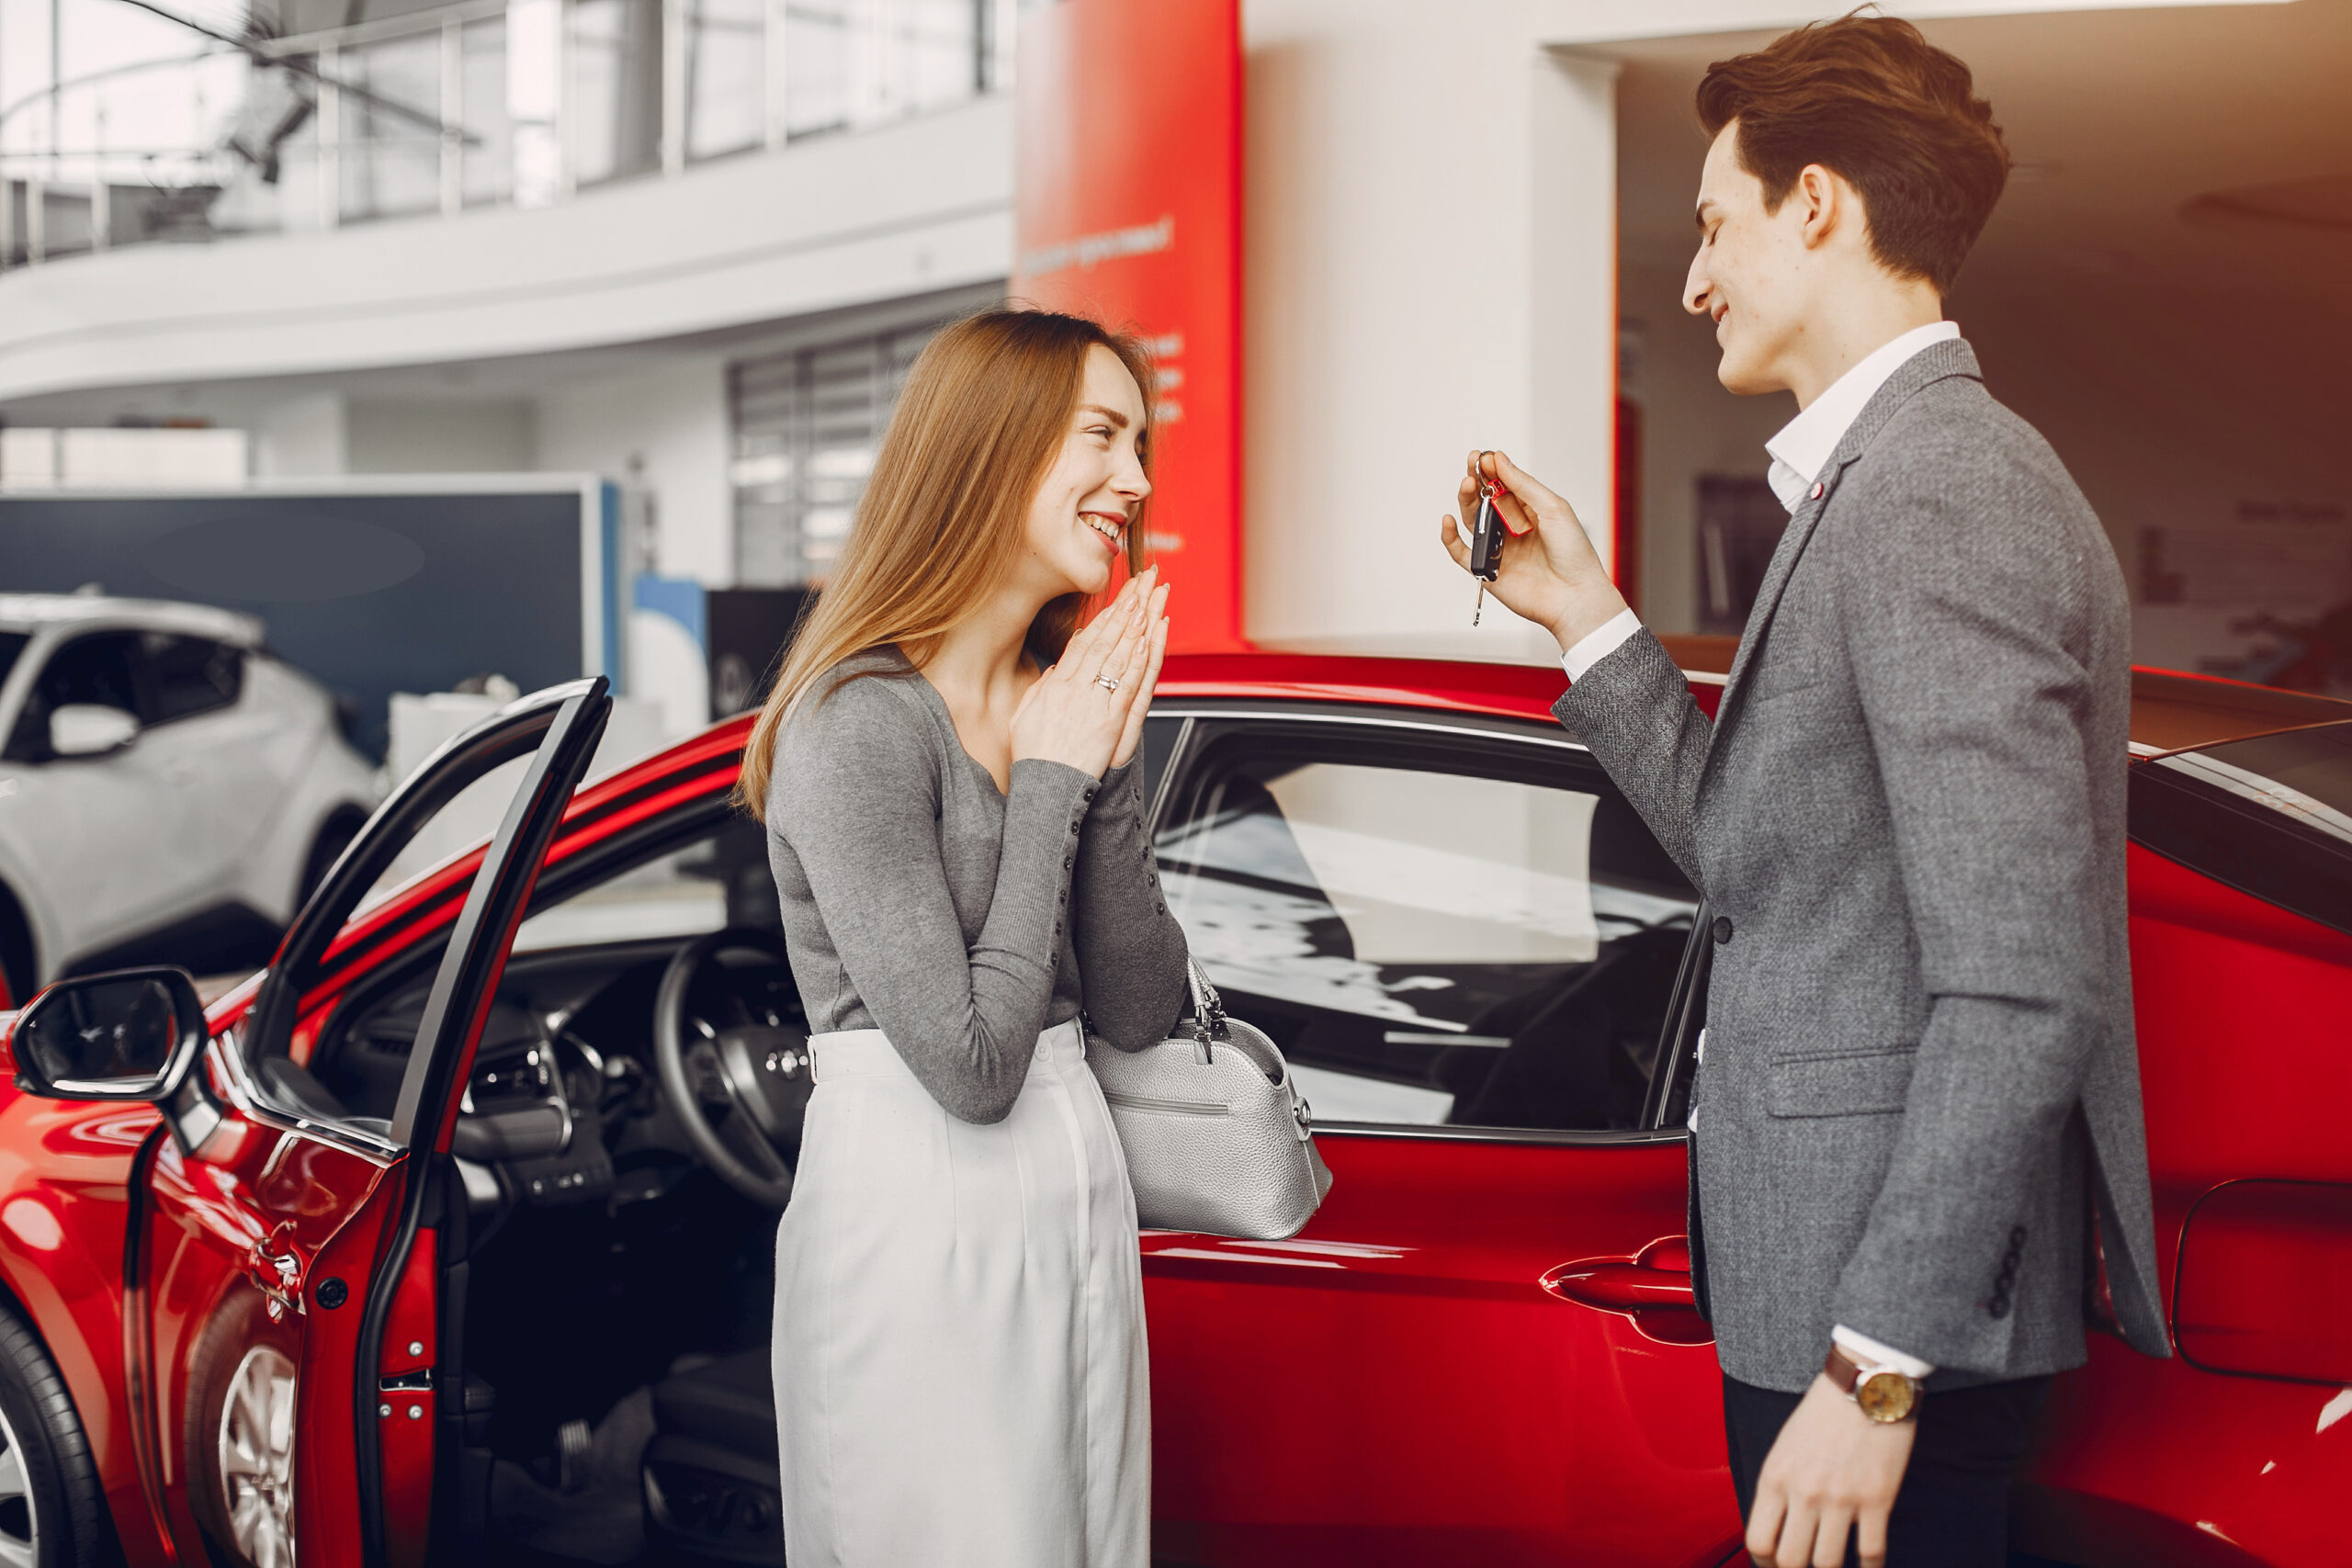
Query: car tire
[19,969]
[55,1508]
[325,850]
[240,1434]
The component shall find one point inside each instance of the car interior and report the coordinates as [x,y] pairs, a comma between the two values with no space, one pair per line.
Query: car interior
[625,1135]
[607,1288]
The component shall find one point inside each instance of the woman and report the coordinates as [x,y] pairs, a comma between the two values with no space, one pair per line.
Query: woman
[957,828]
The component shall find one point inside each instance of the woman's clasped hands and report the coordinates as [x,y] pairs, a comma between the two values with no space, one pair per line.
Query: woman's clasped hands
[1087,710]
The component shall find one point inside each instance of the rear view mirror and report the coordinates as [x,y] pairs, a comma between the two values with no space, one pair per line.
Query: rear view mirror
[132,1034]
[90,730]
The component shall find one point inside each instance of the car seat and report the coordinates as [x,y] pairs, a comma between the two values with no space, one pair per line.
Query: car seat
[712,1489]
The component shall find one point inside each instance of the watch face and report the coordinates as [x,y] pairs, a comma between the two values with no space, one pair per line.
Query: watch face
[1886,1396]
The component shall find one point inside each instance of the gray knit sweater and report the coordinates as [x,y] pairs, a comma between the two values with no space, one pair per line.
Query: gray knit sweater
[959,921]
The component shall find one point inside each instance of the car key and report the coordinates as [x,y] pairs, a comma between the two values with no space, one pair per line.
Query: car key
[1486,542]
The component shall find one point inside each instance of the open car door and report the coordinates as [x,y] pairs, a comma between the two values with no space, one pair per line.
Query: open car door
[282,1302]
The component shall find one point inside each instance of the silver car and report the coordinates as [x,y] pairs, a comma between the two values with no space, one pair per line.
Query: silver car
[169,791]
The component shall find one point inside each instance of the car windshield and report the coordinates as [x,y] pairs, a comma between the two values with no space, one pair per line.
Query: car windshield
[2271,817]
[2306,773]
[11,645]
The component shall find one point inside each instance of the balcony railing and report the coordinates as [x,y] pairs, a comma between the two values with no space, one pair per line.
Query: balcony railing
[219,122]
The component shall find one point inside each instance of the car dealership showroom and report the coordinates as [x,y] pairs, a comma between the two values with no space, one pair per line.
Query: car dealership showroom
[424,426]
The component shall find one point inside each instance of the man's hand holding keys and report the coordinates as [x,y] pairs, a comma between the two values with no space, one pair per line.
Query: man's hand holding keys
[1550,573]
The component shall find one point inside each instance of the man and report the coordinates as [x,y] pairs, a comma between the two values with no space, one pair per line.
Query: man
[1916,1127]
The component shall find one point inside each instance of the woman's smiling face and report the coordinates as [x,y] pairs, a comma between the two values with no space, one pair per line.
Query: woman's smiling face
[1077,520]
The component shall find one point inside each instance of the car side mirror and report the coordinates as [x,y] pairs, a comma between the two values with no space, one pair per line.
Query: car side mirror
[132,1034]
[90,730]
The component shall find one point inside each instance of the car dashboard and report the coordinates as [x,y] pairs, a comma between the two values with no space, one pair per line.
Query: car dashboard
[564,1103]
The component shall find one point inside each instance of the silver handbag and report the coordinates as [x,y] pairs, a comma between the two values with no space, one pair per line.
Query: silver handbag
[1217,1137]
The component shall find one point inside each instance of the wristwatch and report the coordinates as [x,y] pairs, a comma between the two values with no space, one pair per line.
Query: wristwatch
[1884,1394]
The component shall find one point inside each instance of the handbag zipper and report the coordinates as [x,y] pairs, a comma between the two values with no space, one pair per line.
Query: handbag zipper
[1173,1107]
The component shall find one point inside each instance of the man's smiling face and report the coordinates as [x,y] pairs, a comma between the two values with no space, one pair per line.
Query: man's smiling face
[1750,274]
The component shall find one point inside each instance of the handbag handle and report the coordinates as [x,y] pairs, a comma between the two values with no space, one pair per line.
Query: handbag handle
[1208,1008]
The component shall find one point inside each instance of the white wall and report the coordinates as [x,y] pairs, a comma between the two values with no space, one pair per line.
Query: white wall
[1430,250]
[663,430]
[1690,426]
[1428,246]
[450,436]
[302,435]
[660,429]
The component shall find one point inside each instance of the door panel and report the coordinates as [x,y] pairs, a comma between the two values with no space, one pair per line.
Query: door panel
[214,1299]
[224,750]
[284,1246]
[1468,947]
[1407,1392]
[406,1417]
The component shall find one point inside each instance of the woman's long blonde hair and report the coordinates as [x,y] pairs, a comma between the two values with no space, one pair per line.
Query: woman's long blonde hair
[983,415]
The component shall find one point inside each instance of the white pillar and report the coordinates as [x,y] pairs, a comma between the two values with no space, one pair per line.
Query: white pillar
[674,86]
[1572,303]
[1430,250]
[330,118]
[567,106]
[101,201]
[774,84]
[453,118]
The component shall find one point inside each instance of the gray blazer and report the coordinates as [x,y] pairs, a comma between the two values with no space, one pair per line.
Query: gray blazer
[1909,820]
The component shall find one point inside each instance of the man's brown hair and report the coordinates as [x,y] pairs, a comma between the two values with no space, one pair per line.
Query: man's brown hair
[1872,101]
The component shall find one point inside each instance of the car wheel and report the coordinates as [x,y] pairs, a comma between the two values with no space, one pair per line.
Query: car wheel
[52,1513]
[256,1444]
[241,1429]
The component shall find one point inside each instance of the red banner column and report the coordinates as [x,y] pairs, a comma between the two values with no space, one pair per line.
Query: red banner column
[1128,209]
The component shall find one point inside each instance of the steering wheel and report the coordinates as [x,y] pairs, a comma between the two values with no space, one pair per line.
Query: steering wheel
[754,1078]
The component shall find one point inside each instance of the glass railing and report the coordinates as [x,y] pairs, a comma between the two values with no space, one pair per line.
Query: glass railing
[120,125]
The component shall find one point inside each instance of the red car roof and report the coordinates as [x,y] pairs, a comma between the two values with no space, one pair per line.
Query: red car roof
[2170,711]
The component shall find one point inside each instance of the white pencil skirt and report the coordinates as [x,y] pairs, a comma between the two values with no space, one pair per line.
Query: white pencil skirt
[961,1379]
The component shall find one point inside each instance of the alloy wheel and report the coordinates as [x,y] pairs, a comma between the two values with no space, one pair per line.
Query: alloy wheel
[258,1458]
[20,1521]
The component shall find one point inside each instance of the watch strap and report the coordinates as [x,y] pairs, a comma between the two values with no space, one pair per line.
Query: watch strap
[1884,1393]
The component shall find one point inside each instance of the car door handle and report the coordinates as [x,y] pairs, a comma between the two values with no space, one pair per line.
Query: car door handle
[278,1277]
[1659,1276]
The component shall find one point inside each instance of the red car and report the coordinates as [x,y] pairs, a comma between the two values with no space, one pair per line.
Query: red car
[451,1234]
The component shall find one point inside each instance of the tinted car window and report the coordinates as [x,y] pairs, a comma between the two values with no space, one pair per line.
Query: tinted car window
[1471,941]
[99,668]
[11,645]
[1158,744]
[192,675]
[2271,817]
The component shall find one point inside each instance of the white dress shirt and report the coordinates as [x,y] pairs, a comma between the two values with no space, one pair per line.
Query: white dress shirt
[1799,452]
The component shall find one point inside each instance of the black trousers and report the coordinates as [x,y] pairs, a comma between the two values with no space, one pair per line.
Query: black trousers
[1953,1509]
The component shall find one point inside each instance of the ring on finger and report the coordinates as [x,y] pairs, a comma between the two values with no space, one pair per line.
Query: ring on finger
[1108,682]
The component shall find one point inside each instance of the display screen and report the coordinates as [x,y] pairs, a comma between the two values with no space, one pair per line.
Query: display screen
[367,594]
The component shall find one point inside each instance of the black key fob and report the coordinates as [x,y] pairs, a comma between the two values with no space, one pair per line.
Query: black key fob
[1486,538]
